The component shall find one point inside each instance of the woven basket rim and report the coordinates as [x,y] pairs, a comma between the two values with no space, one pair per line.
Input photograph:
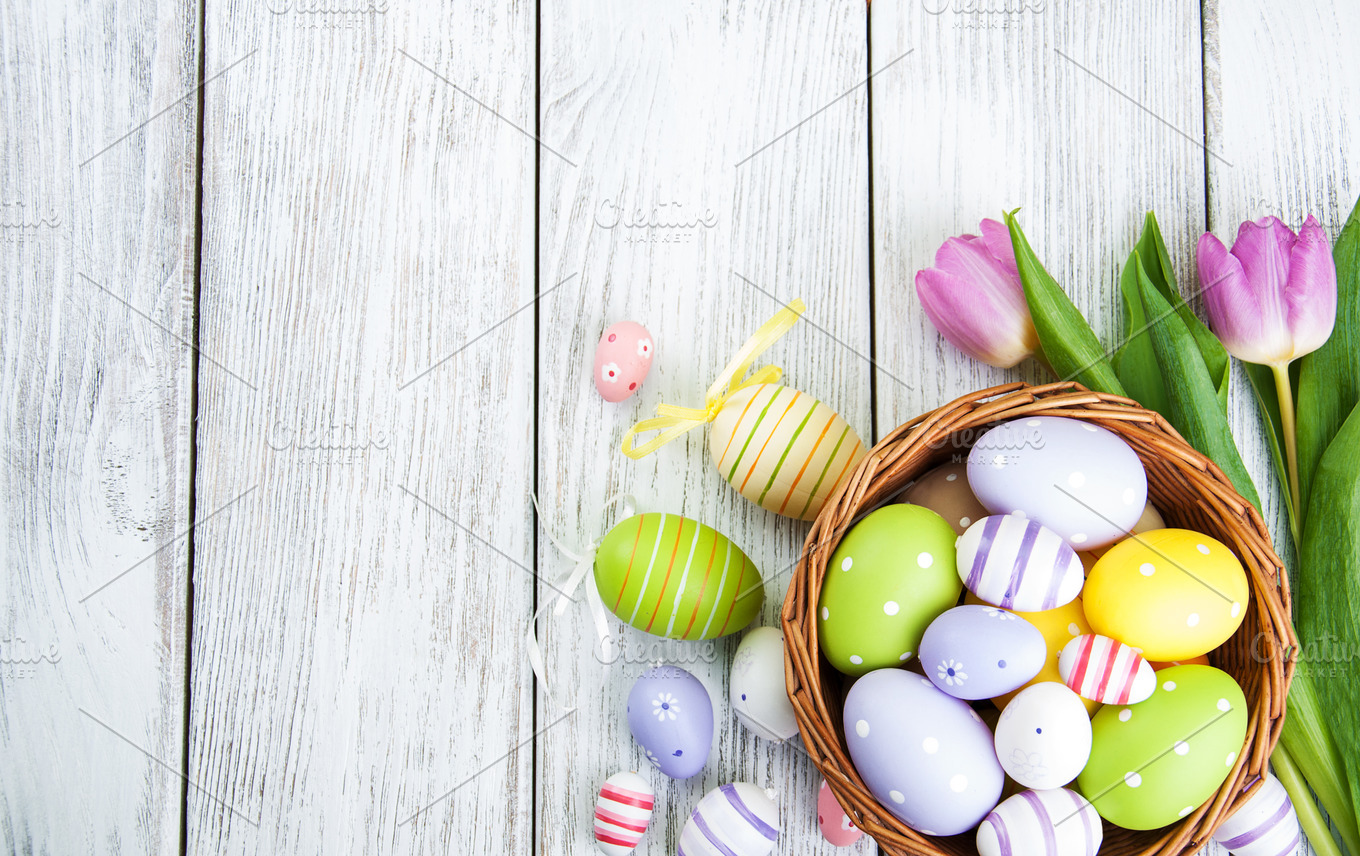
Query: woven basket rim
[907,452]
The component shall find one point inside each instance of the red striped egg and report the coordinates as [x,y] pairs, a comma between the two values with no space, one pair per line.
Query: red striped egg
[1015,563]
[1055,822]
[1106,670]
[622,813]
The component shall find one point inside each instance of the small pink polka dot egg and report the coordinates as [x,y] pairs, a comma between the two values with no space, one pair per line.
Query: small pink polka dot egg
[832,820]
[622,360]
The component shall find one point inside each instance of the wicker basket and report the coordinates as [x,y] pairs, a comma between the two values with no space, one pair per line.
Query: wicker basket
[1184,485]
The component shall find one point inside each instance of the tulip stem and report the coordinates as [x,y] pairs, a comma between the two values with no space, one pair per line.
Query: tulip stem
[1310,819]
[1285,393]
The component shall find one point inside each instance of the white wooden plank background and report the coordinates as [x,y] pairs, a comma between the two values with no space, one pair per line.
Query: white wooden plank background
[373,411]
[97,268]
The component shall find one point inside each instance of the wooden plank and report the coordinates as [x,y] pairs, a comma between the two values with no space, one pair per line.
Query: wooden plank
[368,237]
[707,187]
[96,270]
[1281,99]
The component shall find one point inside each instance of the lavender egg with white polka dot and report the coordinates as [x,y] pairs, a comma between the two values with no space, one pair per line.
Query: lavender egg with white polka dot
[1076,478]
[976,652]
[926,756]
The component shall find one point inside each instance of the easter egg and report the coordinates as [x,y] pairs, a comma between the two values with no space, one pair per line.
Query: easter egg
[945,491]
[1151,519]
[622,812]
[1015,563]
[671,718]
[975,652]
[1043,737]
[926,756]
[1265,825]
[756,684]
[1076,478]
[622,359]
[1155,762]
[738,819]
[675,577]
[782,449]
[889,577]
[1055,822]
[1104,670]
[1058,626]
[1173,593]
[834,823]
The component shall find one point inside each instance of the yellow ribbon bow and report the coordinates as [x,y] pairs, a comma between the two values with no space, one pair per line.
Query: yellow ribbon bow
[673,421]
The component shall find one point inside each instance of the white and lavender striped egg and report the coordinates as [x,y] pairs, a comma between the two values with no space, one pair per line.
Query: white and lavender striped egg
[1266,825]
[739,819]
[622,813]
[1015,563]
[1106,670]
[1055,822]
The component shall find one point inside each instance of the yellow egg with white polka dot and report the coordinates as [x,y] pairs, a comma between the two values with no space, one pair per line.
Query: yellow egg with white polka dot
[1173,593]
[1058,626]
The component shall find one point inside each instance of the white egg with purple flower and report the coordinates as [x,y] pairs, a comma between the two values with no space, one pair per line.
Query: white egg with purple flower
[756,686]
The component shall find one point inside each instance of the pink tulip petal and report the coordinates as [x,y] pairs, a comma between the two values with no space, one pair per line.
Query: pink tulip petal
[1311,292]
[1260,316]
[998,239]
[1233,308]
[969,259]
[972,321]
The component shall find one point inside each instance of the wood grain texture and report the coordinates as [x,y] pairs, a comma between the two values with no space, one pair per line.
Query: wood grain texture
[667,222]
[96,253]
[368,237]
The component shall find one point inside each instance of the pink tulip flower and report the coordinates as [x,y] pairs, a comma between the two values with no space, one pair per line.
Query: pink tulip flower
[1272,299]
[974,298]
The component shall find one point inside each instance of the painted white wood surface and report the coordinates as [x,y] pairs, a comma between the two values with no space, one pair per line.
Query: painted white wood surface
[364,568]
[357,616]
[661,107]
[96,253]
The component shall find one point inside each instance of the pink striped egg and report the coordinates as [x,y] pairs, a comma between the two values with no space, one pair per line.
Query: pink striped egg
[622,813]
[1055,822]
[1266,825]
[835,824]
[1106,670]
[1011,562]
[732,820]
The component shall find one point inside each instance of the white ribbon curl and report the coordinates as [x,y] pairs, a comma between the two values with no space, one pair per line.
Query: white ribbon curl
[566,585]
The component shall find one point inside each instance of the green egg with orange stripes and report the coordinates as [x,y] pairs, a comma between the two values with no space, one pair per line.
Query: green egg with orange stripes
[675,577]
[783,449]
[889,577]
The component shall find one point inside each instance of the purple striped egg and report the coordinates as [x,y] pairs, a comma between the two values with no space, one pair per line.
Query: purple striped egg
[731,820]
[1012,562]
[1055,822]
[1265,825]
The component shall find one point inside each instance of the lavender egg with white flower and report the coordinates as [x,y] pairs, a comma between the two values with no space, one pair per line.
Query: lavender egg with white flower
[1076,478]
[976,652]
[927,757]
[671,717]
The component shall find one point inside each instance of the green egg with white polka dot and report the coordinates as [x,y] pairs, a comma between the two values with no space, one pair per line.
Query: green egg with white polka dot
[890,576]
[1155,762]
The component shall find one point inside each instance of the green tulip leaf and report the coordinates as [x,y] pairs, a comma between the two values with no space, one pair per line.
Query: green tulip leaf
[1157,265]
[1328,597]
[1068,343]
[1194,408]
[1135,363]
[1329,378]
